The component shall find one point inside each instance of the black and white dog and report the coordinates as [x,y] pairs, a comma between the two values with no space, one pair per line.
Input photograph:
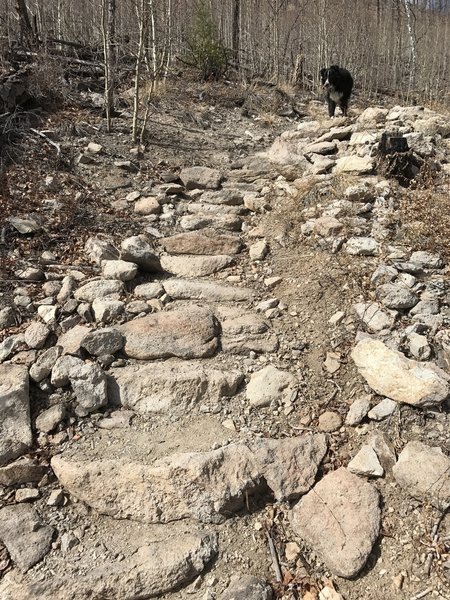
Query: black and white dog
[338,85]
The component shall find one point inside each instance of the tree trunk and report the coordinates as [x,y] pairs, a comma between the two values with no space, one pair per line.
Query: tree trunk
[26,31]
[412,43]
[236,29]
[143,34]
[108,31]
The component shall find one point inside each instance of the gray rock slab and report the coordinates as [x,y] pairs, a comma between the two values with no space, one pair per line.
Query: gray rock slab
[384,449]
[383,274]
[373,316]
[246,323]
[61,370]
[244,333]
[321,165]
[358,410]
[15,425]
[98,289]
[372,115]
[247,587]
[269,384]
[71,341]
[426,307]
[389,373]
[230,196]
[148,291]
[7,318]
[138,249]
[396,296]
[23,470]
[418,346]
[340,519]
[99,249]
[182,289]
[427,260]
[327,226]
[207,486]
[153,570]
[360,165]
[171,386]
[424,472]
[103,341]
[27,539]
[68,286]
[258,250]
[119,269]
[200,178]
[194,265]
[50,418]
[48,313]
[10,346]
[361,246]
[337,133]
[89,386]
[320,148]
[202,242]
[218,210]
[287,149]
[44,364]
[185,334]
[222,222]
[36,334]
[246,343]
[363,138]
[366,462]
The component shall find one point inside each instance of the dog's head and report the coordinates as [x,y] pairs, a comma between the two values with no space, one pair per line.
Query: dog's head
[324,76]
[328,76]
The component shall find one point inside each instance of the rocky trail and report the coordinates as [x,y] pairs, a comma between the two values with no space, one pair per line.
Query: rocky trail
[239,387]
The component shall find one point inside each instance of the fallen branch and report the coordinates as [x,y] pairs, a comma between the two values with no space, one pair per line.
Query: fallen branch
[434,538]
[191,130]
[422,594]
[275,559]
[48,140]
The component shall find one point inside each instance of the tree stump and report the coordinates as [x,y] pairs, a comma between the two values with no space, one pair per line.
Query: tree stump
[391,143]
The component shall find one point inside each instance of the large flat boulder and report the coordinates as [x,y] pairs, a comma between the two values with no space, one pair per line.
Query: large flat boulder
[100,288]
[424,473]
[389,373]
[154,569]
[202,242]
[184,289]
[28,540]
[207,486]
[193,265]
[270,384]
[171,386]
[200,178]
[190,333]
[340,519]
[360,165]
[15,425]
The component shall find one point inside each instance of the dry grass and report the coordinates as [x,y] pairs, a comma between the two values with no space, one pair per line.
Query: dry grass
[425,215]
[46,82]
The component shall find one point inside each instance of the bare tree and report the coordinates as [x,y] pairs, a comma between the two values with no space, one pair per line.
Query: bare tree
[412,41]
[236,29]
[143,35]
[26,31]
[108,31]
